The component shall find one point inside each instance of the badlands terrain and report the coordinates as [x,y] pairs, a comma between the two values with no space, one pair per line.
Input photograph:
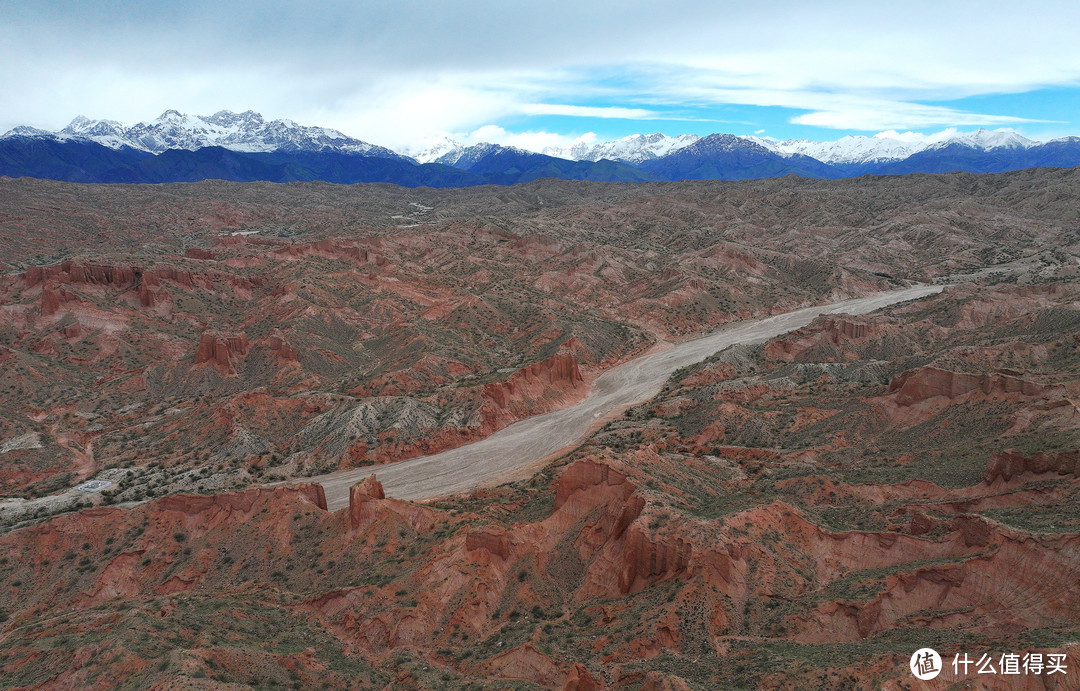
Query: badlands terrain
[800,511]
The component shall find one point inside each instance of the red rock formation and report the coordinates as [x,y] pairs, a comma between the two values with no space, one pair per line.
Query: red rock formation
[199,253]
[849,328]
[198,504]
[282,349]
[712,373]
[124,276]
[154,277]
[1005,465]
[153,299]
[543,386]
[834,332]
[545,378]
[368,488]
[649,559]
[221,351]
[921,524]
[495,542]
[589,475]
[368,505]
[580,680]
[328,248]
[50,303]
[974,531]
[630,556]
[37,274]
[55,299]
[524,663]
[1024,578]
[921,384]
[119,276]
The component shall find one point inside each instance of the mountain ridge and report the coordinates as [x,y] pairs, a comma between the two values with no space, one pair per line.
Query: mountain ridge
[283,151]
[247,131]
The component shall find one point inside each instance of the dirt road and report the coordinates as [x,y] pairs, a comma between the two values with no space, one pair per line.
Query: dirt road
[506,455]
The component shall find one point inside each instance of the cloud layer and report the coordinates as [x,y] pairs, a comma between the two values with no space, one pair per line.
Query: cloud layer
[389,72]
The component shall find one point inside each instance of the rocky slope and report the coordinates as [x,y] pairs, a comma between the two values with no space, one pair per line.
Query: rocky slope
[917,226]
[207,340]
[167,339]
[800,501]
[827,502]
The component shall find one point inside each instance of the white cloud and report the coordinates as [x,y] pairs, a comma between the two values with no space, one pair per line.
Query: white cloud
[588,111]
[829,109]
[530,141]
[399,113]
[898,115]
[391,72]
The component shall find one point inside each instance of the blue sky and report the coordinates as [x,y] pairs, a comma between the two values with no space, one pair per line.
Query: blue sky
[1038,114]
[540,74]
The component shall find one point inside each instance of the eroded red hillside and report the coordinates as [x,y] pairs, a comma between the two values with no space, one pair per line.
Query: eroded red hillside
[797,514]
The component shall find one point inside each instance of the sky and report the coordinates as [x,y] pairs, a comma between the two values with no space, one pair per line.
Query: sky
[402,72]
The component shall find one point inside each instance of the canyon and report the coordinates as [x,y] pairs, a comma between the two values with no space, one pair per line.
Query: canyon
[770,467]
[508,454]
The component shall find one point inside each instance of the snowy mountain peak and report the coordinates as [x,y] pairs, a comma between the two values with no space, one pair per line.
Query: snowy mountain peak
[893,146]
[986,140]
[78,122]
[85,126]
[633,149]
[247,131]
[849,149]
[431,149]
[466,157]
[26,131]
[227,118]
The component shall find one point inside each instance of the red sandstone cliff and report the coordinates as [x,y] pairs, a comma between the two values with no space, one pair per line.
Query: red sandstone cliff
[1005,465]
[221,351]
[542,386]
[924,383]
[831,334]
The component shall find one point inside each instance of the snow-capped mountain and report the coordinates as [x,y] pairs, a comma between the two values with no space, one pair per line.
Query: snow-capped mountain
[986,140]
[851,149]
[250,132]
[639,148]
[893,146]
[634,149]
[450,152]
[578,151]
[728,157]
[246,131]
[431,149]
[244,147]
[468,156]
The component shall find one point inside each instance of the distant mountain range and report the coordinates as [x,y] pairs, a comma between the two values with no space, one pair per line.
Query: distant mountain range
[245,147]
[247,132]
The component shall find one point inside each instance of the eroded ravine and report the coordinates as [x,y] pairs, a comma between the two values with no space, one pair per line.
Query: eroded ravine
[505,455]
